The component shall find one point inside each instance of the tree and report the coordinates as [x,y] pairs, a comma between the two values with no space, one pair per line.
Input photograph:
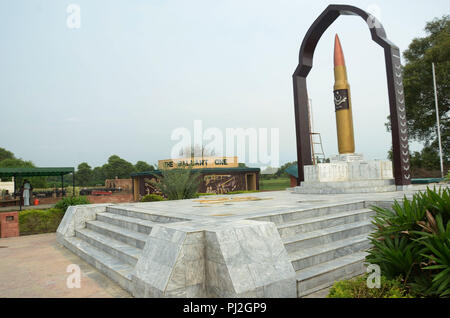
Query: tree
[118,167]
[15,163]
[142,166]
[281,171]
[83,176]
[5,154]
[419,90]
[98,176]
[37,182]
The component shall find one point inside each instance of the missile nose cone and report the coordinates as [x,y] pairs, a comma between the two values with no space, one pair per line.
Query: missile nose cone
[338,54]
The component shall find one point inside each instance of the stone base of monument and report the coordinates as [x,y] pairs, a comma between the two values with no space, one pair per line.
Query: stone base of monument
[348,173]
[270,244]
[160,255]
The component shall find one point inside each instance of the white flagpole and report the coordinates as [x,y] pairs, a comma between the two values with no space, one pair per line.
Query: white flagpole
[437,120]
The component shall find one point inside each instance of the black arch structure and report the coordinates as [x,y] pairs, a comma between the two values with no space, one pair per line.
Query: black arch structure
[400,149]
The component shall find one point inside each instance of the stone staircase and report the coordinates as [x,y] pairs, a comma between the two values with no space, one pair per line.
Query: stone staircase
[326,244]
[114,241]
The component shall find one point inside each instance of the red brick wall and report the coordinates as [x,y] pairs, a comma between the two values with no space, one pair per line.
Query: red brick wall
[9,224]
[293,181]
[114,198]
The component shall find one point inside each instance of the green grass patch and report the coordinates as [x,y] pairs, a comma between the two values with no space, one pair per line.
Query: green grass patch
[231,192]
[274,184]
[152,197]
[357,288]
[39,221]
[242,191]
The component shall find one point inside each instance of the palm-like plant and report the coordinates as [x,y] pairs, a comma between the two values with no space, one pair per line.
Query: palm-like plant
[395,256]
[435,238]
[413,241]
[177,184]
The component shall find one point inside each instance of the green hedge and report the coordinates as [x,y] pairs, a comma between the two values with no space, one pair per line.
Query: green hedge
[64,203]
[39,221]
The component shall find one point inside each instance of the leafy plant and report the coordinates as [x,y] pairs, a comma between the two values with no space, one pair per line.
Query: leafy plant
[357,288]
[39,221]
[436,242]
[152,197]
[395,256]
[447,177]
[413,242]
[177,184]
[64,203]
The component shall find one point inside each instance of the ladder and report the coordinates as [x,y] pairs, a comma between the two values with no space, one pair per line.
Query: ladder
[319,154]
[315,155]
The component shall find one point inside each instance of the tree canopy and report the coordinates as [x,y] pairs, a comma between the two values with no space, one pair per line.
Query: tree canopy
[85,175]
[5,154]
[418,81]
[419,88]
[142,166]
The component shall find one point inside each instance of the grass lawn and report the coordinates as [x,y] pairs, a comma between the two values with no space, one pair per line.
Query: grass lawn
[274,184]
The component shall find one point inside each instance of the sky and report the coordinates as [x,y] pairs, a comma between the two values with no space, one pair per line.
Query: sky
[136,70]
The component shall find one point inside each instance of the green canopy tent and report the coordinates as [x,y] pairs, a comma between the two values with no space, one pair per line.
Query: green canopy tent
[38,172]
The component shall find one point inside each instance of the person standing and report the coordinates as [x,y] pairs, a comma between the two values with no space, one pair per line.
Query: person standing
[26,192]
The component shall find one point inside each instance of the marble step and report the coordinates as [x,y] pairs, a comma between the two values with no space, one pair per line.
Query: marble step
[123,251]
[317,277]
[368,183]
[321,222]
[307,257]
[134,213]
[116,269]
[326,236]
[118,233]
[342,190]
[284,217]
[134,224]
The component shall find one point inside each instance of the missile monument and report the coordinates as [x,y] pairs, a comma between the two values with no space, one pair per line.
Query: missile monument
[342,102]
[346,172]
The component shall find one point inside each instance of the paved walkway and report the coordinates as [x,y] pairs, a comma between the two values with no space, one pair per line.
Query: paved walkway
[35,266]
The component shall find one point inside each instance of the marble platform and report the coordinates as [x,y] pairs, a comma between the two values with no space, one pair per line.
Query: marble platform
[267,244]
[348,173]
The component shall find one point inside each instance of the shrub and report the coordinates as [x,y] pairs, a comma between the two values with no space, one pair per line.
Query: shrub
[151,198]
[176,184]
[413,242]
[357,288]
[64,203]
[39,221]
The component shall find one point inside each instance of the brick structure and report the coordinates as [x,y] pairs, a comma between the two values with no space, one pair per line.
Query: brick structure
[114,198]
[124,184]
[9,224]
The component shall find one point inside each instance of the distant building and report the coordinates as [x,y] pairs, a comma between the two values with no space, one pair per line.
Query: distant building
[7,185]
